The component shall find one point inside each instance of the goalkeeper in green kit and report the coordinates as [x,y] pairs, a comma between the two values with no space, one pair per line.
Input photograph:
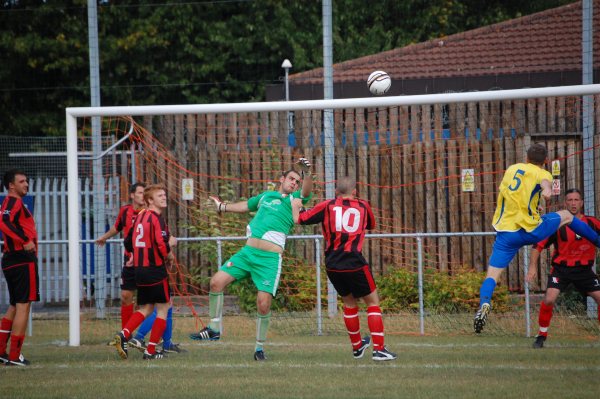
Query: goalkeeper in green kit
[261,257]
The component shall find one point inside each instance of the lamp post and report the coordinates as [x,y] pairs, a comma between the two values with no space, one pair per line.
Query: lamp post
[286,64]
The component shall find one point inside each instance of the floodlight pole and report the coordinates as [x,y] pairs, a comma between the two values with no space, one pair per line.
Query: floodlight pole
[587,68]
[99,197]
[328,132]
[287,65]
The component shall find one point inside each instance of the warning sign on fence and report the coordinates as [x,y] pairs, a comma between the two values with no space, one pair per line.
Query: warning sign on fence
[556,168]
[556,187]
[468,180]
[187,189]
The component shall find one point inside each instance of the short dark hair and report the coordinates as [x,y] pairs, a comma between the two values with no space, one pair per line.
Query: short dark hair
[573,190]
[9,176]
[287,172]
[345,185]
[537,154]
[134,187]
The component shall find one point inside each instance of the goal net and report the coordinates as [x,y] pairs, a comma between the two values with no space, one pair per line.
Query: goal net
[429,165]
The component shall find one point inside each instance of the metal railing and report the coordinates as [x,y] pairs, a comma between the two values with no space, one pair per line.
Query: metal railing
[108,287]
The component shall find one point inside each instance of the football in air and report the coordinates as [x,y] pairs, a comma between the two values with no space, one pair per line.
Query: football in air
[379,83]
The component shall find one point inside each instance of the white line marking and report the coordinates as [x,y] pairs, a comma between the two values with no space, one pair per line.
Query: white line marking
[431,366]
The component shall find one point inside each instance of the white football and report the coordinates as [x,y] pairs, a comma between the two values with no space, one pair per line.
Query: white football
[379,82]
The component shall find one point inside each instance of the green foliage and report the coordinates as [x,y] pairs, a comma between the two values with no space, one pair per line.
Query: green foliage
[571,300]
[398,290]
[443,293]
[199,52]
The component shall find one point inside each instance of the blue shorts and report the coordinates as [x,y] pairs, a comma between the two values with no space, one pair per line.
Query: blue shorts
[507,244]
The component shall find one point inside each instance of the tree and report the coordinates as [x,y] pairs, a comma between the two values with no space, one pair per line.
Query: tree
[155,52]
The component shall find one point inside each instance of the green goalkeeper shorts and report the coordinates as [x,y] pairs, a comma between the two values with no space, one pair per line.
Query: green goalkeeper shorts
[264,267]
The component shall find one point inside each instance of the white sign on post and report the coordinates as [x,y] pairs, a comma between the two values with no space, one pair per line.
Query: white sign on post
[556,187]
[468,180]
[187,189]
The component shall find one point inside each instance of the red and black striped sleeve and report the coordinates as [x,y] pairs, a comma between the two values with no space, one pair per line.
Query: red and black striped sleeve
[12,209]
[593,223]
[314,215]
[370,217]
[161,236]
[546,243]
[121,221]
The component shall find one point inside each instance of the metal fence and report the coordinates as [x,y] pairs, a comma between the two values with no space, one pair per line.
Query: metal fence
[48,198]
[54,275]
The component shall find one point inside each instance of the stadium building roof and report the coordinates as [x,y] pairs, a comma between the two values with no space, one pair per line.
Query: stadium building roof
[542,49]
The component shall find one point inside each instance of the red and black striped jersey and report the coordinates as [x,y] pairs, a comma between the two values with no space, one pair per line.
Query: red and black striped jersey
[16,224]
[127,215]
[570,249]
[344,223]
[148,240]
[124,222]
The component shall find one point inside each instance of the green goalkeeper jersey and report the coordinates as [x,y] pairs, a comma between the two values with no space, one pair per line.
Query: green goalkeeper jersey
[273,221]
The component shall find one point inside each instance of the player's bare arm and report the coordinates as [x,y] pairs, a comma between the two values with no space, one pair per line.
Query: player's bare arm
[296,207]
[307,182]
[170,261]
[109,234]
[236,207]
[546,189]
[534,256]
[30,246]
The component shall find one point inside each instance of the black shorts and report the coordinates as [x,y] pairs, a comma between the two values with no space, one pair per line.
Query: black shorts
[583,278]
[21,272]
[128,278]
[358,282]
[153,293]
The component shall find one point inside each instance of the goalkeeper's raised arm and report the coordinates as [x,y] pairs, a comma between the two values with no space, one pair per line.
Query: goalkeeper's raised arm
[305,172]
[236,207]
[304,167]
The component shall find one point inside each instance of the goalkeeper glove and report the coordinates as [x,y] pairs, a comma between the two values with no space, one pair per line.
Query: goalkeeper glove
[221,206]
[304,165]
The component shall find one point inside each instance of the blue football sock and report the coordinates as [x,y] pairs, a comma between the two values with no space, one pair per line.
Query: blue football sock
[486,291]
[168,334]
[582,229]
[146,326]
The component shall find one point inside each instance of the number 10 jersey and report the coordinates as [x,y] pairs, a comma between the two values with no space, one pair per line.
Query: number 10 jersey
[344,222]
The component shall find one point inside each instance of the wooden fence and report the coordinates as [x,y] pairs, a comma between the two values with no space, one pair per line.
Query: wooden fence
[408,161]
[412,188]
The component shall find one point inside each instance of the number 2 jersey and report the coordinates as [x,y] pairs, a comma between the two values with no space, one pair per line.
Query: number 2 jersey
[519,196]
[124,223]
[344,222]
[148,240]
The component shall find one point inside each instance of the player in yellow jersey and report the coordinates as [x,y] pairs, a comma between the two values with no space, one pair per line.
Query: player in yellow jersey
[517,221]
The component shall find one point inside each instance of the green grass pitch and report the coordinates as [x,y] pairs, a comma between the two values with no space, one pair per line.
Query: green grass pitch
[465,366]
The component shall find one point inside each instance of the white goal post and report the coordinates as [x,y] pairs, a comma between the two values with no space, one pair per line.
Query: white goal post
[72,152]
